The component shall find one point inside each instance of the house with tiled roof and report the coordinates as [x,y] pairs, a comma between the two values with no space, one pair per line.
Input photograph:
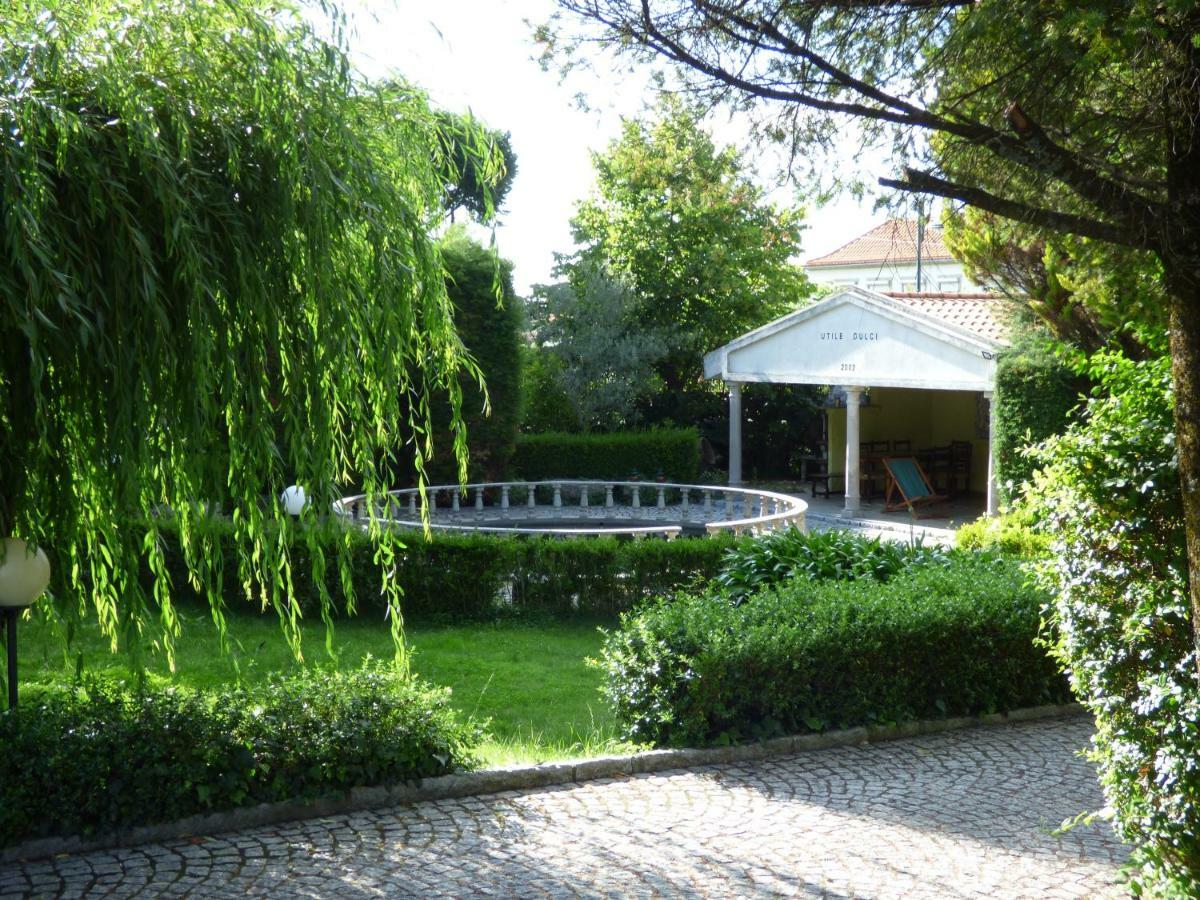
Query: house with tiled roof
[900,256]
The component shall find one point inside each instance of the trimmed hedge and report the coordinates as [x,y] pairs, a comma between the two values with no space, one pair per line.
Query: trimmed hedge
[671,452]
[1035,393]
[104,758]
[936,641]
[465,577]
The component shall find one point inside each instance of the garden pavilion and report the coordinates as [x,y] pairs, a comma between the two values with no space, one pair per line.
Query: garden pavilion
[926,361]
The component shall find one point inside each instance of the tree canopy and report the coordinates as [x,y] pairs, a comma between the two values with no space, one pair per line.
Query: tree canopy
[1076,117]
[704,254]
[480,166]
[605,358]
[217,281]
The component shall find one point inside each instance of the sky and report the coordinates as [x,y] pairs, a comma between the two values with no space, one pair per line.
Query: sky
[479,55]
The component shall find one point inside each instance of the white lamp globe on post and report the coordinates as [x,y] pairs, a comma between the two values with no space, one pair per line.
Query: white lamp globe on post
[294,500]
[24,574]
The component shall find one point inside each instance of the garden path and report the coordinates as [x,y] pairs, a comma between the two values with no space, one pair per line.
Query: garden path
[959,814]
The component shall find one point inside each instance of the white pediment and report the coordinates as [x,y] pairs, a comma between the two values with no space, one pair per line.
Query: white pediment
[858,337]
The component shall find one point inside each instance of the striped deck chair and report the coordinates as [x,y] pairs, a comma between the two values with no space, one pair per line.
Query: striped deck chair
[908,479]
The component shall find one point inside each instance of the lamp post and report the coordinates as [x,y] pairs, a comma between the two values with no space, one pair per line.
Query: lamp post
[24,574]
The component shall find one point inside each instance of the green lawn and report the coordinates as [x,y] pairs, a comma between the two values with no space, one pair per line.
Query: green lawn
[530,681]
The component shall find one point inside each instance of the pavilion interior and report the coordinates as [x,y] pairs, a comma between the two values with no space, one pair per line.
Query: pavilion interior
[929,421]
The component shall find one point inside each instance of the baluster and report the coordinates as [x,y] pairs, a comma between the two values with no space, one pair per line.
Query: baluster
[729,511]
[531,496]
[637,497]
[708,504]
[557,502]
[504,497]
[608,496]
[454,505]
[661,502]
[412,503]
[479,499]
[685,504]
[583,497]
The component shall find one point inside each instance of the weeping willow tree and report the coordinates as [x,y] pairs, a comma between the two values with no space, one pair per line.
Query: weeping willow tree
[216,280]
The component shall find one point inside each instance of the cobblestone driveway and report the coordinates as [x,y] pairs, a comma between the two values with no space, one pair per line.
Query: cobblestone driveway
[962,814]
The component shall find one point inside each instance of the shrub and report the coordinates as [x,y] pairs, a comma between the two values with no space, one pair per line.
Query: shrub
[1110,496]
[523,576]
[836,554]
[1035,392]
[1012,533]
[672,452]
[807,655]
[106,758]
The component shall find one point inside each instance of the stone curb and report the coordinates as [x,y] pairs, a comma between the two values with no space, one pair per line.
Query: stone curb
[514,778]
[878,525]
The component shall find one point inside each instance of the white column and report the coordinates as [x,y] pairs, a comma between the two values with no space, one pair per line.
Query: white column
[735,432]
[993,492]
[853,481]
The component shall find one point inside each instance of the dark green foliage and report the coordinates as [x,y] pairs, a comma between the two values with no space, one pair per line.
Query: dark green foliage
[780,423]
[465,577]
[546,404]
[673,453]
[107,758]
[487,316]
[479,163]
[837,555]
[1035,393]
[1111,498]
[809,655]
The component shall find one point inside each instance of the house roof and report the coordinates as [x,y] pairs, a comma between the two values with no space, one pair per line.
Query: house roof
[895,241]
[983,314]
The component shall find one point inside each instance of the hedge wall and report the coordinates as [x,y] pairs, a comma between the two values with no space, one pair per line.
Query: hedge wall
[463,577]
[951,639]
[1035,393]
[671,452]
[105,759]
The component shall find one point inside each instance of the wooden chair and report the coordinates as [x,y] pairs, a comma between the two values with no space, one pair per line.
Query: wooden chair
[908,479]
[960,467]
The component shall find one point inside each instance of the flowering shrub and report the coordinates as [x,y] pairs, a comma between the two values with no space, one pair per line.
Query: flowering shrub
[1110,495]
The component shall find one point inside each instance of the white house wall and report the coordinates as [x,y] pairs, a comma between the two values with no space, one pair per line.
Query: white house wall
[944,277]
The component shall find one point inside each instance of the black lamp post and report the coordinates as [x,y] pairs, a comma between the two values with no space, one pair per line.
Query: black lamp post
[24,574]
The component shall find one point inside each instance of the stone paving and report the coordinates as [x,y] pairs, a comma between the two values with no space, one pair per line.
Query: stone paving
[959,814]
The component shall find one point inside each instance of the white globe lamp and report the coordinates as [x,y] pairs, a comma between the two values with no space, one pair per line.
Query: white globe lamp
[294,500]
[24,574]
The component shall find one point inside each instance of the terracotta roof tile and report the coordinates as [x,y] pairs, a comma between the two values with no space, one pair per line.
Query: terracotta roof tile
[895,241]
[984,314]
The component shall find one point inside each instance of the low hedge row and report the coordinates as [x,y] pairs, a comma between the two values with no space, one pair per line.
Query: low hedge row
[463,577]
[673,453]
[939,640]
[104,758]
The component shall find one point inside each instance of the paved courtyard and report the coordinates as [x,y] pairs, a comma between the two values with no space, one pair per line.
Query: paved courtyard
[961,814]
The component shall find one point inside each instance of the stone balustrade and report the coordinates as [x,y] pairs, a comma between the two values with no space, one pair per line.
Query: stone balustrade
[573,508]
